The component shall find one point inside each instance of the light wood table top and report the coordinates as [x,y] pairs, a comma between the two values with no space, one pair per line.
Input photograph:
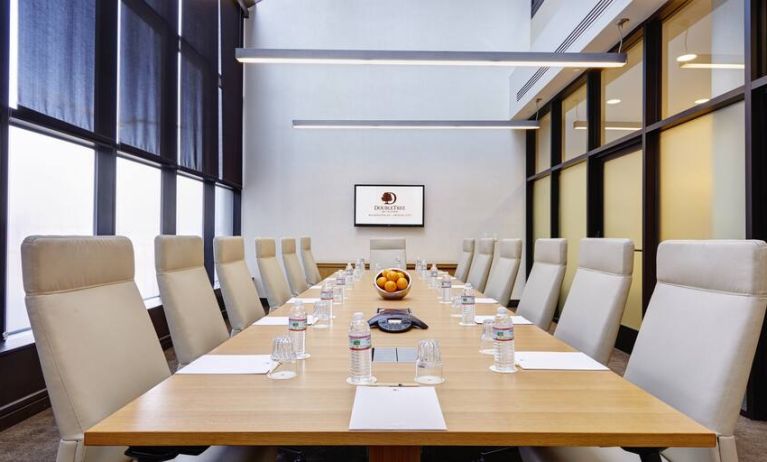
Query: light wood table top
[528,408]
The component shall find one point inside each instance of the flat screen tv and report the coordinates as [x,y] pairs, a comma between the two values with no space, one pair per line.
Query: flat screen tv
[388,205]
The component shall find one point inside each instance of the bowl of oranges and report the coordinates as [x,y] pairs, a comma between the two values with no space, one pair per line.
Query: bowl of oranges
[392,283]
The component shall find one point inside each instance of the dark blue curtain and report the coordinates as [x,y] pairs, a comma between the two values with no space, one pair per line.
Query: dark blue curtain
[192,113]
[56,57]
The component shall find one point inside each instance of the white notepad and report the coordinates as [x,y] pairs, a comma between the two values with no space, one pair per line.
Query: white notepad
[396,408]
[479,300]
[304,299]
[458,286]
[229,364]
[280,321]
[557,361]
[517,320]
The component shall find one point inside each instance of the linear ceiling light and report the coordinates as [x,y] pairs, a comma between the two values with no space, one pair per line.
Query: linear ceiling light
[417,124]
[431,58]
[616,126]
[695,61]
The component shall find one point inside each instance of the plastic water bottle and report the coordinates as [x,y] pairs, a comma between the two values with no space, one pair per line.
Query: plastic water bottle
[433,276]
[503,335]
[360,347]
[349,275]
[339,289]
[467,306]
[326,294]
[447,286]
[297,329]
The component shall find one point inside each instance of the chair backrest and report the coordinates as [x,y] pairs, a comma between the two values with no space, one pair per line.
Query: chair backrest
[272,277]
[503,272]
[700,331]
[194,317]
[97,347]
[594,307]
[480,264]
[539,299]
[310,264]
[243,304]
[464,260]
[386,252]
[293,270]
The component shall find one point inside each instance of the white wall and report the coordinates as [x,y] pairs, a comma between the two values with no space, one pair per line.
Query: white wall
[300,182]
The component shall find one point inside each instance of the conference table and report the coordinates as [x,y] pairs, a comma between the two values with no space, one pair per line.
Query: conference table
[480,407]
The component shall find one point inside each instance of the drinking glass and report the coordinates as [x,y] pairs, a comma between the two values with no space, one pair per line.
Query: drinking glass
[321,314]
[456,307]
[284,354]
[428,365]
[487,341]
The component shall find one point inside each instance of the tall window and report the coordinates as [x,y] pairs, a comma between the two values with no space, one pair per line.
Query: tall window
[702,53]
[137,216]
[543,144]
[189,206]
[50,191]
[575,124]
[622,97]
[572,218]
[224,211]
[542,208]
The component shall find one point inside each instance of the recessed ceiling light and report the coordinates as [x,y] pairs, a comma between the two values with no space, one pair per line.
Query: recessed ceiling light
[701,100]
[613,101]
[686,57]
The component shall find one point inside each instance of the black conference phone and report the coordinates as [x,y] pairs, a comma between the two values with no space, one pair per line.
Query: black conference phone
[395,320]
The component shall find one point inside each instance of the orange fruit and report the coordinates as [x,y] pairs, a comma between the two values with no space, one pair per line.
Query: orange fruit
[401,283]
[390,286]
[381,281]
[392,276]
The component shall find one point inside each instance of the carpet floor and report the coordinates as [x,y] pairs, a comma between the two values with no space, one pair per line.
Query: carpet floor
[36,439]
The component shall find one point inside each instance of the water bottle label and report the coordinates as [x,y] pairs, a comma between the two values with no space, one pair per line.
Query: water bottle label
[503,334]
[447,284]
[326,294]
[359,343]
[297,324]
[467,299]
[340,281]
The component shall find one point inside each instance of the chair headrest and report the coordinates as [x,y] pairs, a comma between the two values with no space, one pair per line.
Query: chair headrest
[306,243]
[610,255]
[468,245]
[387,244]
[736,266]
[486,246]
[174,253]
[552,251]
[288,245]
[63,263]
[265,248]
[509,248]
[227,249]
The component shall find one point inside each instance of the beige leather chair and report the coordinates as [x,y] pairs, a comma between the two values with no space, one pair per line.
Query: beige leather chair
[480,264]
[464,260]
[96,343]
[503,272]
[293,270]
[272,277]
[539,299]
[387,252]
[194,318]
[696,344]
[594,307]
[243,304]
[310,265]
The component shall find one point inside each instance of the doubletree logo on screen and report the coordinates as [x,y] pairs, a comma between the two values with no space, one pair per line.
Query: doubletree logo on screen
[389,199]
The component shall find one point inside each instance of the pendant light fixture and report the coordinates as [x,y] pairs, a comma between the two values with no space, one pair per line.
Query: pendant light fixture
[417,124]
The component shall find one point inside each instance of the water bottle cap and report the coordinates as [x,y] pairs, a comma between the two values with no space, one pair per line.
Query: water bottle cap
[357,316]
[501,310]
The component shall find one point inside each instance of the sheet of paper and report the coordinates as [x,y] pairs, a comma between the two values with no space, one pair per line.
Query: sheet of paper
[306,300]
[557,361]
[406,355]
[280,321]
[229,364]
[384,355]
[517,320]
[458,286]
[396,408]
[317,286]
[479,300]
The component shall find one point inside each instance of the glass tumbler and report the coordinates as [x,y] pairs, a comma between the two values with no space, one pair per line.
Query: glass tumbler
[283,354]
[487,341]
[322,314]
[428,365]
[456,307]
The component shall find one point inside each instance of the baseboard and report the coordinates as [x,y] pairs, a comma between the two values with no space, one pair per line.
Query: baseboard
[24,408]
[626,339]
